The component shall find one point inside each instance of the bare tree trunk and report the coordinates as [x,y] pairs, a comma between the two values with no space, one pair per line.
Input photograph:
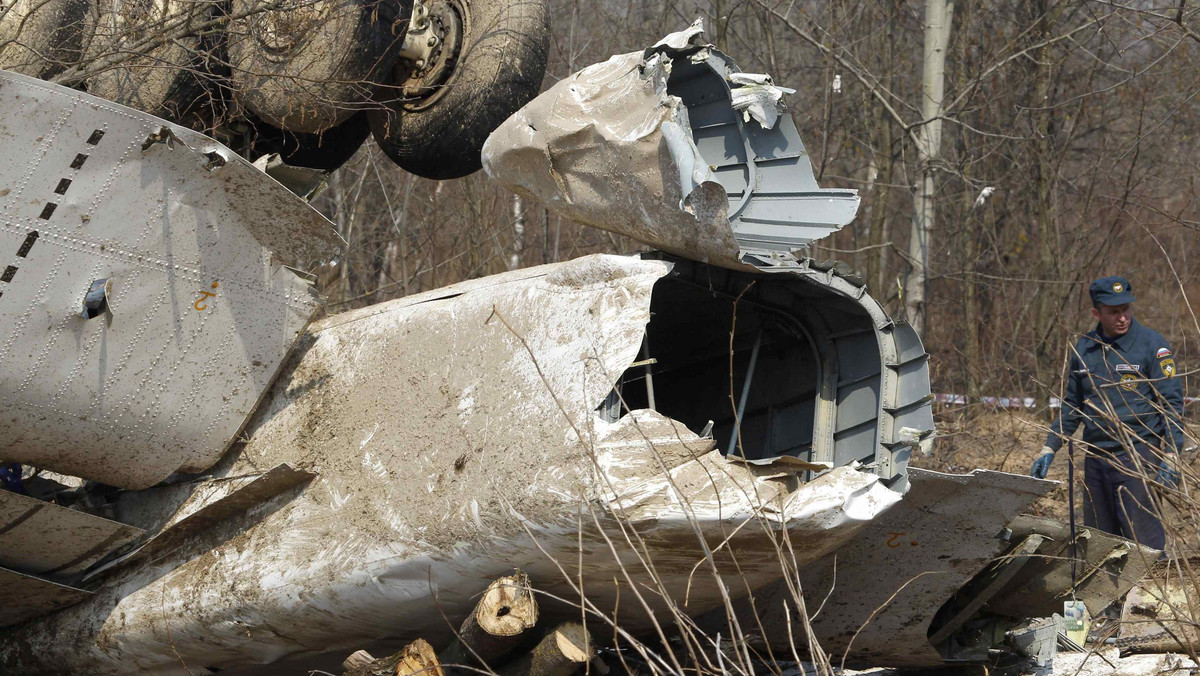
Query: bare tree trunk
[972,312]
[518,218]
[877,255]
[880,229]
[1045,126]
[938,16]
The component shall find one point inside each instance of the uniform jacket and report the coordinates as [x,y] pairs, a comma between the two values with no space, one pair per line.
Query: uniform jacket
[1131,379]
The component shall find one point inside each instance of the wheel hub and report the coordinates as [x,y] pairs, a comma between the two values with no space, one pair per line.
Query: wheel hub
[431,49]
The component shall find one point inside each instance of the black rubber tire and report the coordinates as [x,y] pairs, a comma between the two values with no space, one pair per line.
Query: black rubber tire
[312,64]
[42,38]
[162,81]
[499,69]
[325,151]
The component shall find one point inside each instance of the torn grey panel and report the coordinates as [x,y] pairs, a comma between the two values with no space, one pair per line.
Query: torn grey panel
[879,593]
[215,506]
[27,597]
[1107,566]
[1033,577]
[192,243]
[478,447]
[675,147]
[942,576]
[42,538]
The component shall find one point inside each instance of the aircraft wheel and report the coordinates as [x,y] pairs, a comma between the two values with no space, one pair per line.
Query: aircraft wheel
[489,61]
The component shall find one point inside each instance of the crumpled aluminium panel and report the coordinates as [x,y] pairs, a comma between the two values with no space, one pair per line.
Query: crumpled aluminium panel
[455,435]
[675,147]
[189,242]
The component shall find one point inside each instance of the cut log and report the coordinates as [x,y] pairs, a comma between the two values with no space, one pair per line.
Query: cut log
[357,659]
[416,659]
[506,611]
[560,653]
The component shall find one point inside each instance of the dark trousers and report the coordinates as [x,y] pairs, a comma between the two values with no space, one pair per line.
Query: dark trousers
[1116,499]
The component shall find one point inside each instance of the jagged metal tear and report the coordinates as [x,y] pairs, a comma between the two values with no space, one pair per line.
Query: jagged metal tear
[673,146]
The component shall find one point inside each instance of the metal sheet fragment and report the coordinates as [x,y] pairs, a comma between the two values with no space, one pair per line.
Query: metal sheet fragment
[455,438]
[26,597]
[908,562]
[199,311]
[675,147]
[43,538]
[196,517]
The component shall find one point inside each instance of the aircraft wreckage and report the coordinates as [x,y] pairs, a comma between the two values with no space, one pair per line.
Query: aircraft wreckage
[221,485]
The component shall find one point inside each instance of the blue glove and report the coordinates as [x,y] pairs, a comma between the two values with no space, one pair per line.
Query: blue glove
[1042,464]
[1168,474]
[10,477]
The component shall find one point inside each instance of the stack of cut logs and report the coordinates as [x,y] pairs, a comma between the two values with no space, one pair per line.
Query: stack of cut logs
[488,641]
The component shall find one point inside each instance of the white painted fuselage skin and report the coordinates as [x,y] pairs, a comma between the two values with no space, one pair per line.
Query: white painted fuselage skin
[454,437]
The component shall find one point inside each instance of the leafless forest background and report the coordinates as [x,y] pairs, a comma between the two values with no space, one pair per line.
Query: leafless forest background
[1068,152]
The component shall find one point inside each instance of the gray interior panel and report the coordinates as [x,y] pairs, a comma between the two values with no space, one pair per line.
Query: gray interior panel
[774,200]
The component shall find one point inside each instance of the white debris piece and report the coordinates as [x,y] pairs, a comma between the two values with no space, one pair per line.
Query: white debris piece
[675,147]
[759,98]
[683,38]
[418,497]
[983,196]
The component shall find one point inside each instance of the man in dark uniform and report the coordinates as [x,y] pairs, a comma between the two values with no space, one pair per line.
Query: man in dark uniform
[1121,385]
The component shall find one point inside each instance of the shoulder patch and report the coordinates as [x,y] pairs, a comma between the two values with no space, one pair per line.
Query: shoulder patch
[1168,367]
[1163,353]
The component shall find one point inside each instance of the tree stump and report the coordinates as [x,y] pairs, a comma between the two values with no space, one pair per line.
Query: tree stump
[560,653]
[506,611]
[416,659]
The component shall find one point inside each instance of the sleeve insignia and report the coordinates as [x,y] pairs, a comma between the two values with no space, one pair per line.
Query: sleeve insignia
[1168,367]
[1163,353]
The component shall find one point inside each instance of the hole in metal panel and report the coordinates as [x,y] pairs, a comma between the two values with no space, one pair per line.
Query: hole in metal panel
[78,161]
[63,184]
[8,274]
[27,244]
[95,137]
[95,303]
[687,371]
[47,211]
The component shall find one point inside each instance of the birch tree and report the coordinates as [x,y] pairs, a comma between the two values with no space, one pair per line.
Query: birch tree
[938,17]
